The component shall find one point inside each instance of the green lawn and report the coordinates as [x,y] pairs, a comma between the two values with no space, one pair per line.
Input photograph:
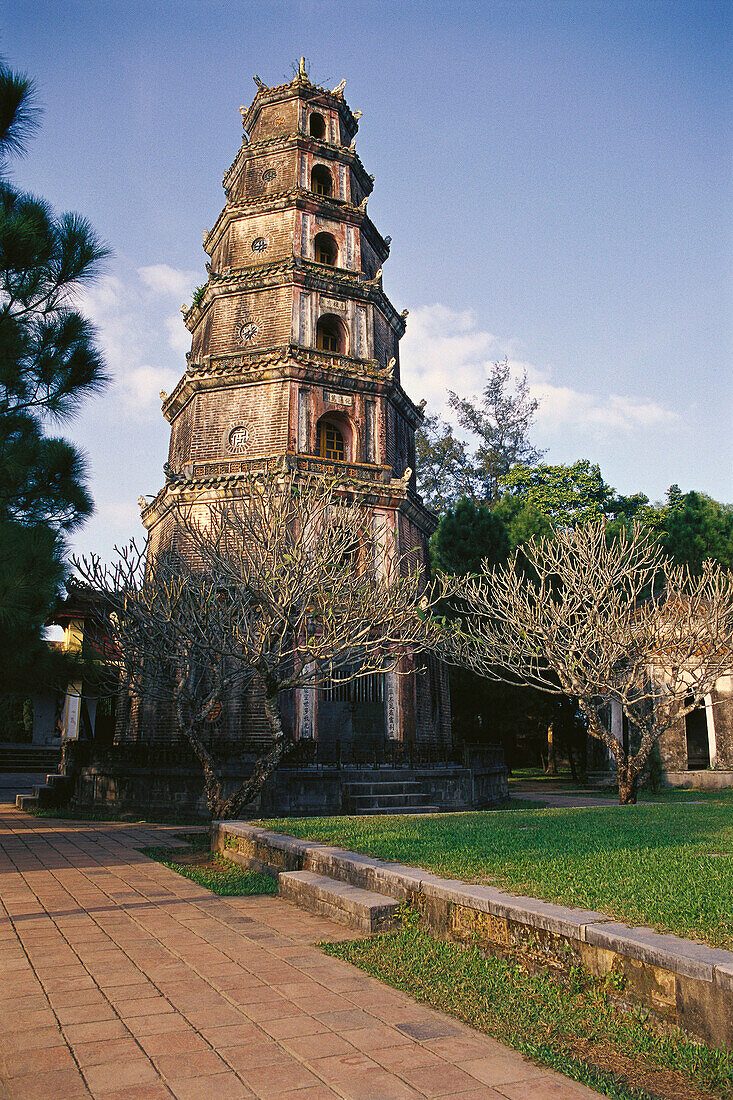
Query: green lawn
[668,866]
[573,1025]
[211,870]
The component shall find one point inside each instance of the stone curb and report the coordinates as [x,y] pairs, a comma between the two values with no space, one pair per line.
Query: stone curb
[668,952]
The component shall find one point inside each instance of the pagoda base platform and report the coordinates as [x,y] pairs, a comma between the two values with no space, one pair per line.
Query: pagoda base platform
[122,783]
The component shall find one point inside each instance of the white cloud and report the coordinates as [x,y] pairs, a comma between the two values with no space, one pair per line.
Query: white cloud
[168,280]
[144,347]
[445,349]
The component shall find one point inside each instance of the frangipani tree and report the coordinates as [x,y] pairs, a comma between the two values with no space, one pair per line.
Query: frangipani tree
[600,620]
[289,585]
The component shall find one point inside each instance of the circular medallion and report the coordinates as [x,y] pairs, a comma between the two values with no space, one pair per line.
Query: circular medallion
[269,174]
[247,331]
[278,120]
[259,244]
[238,439]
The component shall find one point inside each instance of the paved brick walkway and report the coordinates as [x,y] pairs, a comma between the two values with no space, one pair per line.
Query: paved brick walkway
[121,980]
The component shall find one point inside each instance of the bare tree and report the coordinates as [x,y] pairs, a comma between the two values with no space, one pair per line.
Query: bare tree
[289,586]
[600,620]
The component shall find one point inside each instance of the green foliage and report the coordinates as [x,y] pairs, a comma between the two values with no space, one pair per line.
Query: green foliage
[695,527]
[467,535]
[49,363]
[198,294]
[647,864]
[569,1023]
[523,521]
[569,495]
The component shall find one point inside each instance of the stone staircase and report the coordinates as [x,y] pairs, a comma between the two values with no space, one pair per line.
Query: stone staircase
[54,792]
[366,792]
[29,758]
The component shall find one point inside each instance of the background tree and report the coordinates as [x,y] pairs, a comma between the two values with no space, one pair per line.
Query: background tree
[499,421]
[471,537]
[49,362]
[607,620]
[694,527]
[287,589]
[467,535]
[568,495]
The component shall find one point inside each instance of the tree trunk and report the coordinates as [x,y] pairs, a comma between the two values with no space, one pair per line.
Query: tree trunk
[266,765]
[628,783]
[551,760]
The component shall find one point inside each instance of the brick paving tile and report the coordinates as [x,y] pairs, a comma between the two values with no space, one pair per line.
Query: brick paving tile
[172,1042]
[92,1032]
[160,989]
[439,1080]
[254,1055]
[24,1062]
[192,1063]
[280,1078]
[221,1086]
[92,1012]
[375,1083]
[292,1026]
[111,1050]
[110,1076]
[310,1047]
[155,1091]
[548,1088]
[66,1083]
[41,1039]
[376,1038]
[503,1070]
[401,1058]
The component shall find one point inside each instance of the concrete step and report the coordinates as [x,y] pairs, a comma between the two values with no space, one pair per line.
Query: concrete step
[26,801]
[401,798]
[339,901]
[403,810]
[359,789]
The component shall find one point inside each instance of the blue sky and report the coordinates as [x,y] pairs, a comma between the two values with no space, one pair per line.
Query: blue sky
[555,178]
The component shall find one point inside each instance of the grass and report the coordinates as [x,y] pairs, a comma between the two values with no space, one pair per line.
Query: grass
[574,1026]
[211,870]
[668,866]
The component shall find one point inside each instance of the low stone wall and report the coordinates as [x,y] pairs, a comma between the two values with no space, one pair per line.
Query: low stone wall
[712,779]
[687,983]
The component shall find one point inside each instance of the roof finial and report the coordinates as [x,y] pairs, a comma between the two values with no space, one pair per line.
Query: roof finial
[339,89]
[302,72]
[260,86]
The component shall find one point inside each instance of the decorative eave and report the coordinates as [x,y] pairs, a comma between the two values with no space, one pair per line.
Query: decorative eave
[298,140]
[375,483]
[305,273]
[291,361]
[302,199]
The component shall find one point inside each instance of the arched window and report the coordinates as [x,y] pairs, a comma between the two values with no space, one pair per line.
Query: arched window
[331,442]
[331,334]
[317,126]
[321,180]
[326,249]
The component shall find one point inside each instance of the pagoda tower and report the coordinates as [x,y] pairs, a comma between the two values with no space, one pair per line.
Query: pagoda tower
[295,357]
